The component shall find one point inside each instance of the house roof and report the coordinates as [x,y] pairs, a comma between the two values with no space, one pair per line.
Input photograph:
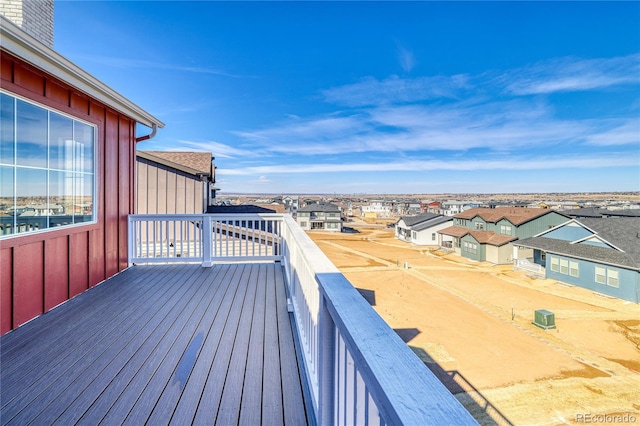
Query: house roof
[324,207]
[414,220]
[483,237]
[17,42]
[247,208]
[515,215]
[622,233]
[440,219]
[196,163]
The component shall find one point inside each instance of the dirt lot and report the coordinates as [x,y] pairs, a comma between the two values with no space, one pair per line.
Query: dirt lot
[470,323]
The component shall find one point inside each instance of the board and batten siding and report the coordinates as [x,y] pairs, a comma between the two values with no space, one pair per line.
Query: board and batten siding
[41,270]
[164,190]
[540,224]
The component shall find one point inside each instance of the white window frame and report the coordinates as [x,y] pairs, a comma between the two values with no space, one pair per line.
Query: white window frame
[16,167]
[613,278]
[555,264]
[574,268]
[564,266]
[601,278]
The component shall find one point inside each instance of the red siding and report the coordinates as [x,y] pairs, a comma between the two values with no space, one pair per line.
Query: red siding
[6,290]
[40,271]
[56,271]
[28,282]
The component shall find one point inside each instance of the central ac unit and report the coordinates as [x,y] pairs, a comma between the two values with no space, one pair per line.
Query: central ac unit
[544,319]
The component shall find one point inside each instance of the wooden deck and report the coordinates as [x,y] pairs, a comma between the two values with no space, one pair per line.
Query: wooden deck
[177,344]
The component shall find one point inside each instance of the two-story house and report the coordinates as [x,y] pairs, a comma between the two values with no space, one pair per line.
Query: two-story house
[320,217]
[485,234]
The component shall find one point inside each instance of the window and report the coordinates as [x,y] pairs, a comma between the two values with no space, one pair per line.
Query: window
[601,275]
[612,278]
[433,236]
[479,225]
[573,269]
[47,168]
[414,235]
[555,264]
[543,256]
[505,229]
[303,224]
[564,266]
[470,247]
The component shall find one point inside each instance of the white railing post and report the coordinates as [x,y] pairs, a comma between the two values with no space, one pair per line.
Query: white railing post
[132,238]
[326,366]
[207,237]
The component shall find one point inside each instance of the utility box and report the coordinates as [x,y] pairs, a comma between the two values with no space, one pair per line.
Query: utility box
[544,319]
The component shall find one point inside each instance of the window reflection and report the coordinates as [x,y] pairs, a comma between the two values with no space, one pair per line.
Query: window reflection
[46,168]
[31,135]
[7,116]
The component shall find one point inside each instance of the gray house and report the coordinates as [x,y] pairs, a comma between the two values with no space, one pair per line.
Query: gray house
[320,217]
[600,254]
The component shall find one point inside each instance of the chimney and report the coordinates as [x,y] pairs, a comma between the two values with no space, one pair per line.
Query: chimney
[35,17]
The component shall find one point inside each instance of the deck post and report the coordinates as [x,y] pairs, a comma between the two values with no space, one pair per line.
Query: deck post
[207,237]
[326,365]
[132,239]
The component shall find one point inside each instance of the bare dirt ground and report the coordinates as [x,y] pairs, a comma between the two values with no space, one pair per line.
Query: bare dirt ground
[470,323]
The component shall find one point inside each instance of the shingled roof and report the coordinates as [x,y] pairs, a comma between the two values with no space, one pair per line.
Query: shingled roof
[483,237]
[413,220]
[515,215]
[198,163]
[622,233]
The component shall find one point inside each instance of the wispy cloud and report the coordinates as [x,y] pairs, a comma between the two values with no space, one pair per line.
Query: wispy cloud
[625,134]
[138,63]
[499,126]
[506,163]
[218,149]
[370,91]
[456,113]
[406,58]
[572,74]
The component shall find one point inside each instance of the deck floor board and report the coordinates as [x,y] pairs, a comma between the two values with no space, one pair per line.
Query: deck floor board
[159,344]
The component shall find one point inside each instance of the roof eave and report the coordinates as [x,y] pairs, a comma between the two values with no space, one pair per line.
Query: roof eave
[16,42]
[171,164]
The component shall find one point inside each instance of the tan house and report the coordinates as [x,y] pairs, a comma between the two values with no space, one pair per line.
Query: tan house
[174,182]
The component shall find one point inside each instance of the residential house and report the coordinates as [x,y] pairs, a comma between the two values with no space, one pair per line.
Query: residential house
[174,182]
[291,203]
[453,207]
[423,229]
[320,217]
[79,159]
[485,234]
[600,254]
[376,208]
[432,207]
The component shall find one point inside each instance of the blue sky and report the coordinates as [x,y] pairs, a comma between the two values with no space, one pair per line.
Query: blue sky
[379,97]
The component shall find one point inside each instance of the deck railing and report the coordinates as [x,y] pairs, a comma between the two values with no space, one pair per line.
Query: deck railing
[529,265]
[357,369]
